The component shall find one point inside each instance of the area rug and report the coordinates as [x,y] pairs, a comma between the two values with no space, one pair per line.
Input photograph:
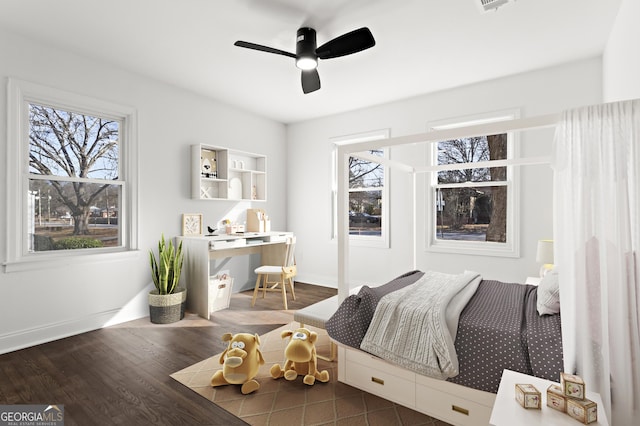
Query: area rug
[282,402]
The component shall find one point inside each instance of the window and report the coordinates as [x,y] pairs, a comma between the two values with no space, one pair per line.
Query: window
[368,183]
[69,164]
[472,207]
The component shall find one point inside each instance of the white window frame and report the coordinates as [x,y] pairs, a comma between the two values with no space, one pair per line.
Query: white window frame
[22,93]
[510,248]
[381,241]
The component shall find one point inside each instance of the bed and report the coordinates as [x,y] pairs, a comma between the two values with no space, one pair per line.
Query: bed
[497,327]
[462,399]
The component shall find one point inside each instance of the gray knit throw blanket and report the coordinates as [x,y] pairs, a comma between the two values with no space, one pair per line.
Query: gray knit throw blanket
[415,327]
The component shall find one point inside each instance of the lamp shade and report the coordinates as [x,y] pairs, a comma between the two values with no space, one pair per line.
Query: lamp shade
[544,254]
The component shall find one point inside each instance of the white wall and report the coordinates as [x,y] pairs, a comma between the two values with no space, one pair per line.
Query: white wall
[621,59]
[535,93]
[42,305]
[38,306]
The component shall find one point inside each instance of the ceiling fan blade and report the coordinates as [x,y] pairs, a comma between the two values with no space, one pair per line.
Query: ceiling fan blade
[310,81]
[263,48]
[346,44]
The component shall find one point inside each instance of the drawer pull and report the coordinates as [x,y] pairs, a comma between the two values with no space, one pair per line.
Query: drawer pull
[378,381]
[460,410]
[221,286]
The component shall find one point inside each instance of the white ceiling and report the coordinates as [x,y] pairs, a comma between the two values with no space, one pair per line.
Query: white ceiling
[422,46]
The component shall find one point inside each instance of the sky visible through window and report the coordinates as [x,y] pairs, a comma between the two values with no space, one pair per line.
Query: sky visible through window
[64,143]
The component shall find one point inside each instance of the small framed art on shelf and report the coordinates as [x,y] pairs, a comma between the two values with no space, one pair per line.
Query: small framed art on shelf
[191,224]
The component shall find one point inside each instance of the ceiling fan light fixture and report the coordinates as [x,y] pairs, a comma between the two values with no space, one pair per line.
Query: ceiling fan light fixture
[306,63]
[306,58]
[308,52]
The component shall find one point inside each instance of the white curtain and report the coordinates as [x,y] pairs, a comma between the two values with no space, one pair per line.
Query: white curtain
[597,241]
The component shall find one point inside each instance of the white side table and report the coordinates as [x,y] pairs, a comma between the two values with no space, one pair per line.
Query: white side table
[506,409]
[533,280]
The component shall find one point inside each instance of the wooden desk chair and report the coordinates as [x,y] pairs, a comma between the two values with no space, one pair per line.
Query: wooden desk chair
[284,274]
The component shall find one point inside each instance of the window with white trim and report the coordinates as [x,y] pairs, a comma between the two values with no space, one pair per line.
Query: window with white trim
[472,204]
[368,191]
[70,162]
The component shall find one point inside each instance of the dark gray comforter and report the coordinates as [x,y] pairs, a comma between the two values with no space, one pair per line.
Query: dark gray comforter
[499,329]
[351,321]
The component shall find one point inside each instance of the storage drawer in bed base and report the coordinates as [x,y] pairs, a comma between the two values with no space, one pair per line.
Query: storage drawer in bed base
[384,384]
[450,407]
[443,400]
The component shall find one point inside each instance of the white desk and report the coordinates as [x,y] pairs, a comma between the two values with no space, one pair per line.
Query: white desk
[506,409]
[198,251]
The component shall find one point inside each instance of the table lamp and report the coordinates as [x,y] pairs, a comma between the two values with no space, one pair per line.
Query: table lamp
[544,256]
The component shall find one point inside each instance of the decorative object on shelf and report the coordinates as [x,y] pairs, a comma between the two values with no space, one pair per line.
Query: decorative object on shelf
[192,224]
[208,164]
[544,255]
[168,300]
[235,188]
[206,192]
[211,230]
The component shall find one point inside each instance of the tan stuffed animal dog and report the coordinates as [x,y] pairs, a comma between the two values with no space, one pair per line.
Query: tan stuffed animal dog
[300,355]
[241,361]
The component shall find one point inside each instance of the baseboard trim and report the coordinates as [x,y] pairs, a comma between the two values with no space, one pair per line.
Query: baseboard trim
[327,281]
[323,281]
[48,333]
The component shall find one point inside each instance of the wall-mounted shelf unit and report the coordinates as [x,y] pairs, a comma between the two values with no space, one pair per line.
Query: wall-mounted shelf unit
[219,173]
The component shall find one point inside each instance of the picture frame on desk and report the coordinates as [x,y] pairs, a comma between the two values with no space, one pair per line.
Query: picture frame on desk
[192,224]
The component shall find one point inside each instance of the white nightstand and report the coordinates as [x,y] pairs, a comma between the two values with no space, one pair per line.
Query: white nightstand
[506,409]
[533,280]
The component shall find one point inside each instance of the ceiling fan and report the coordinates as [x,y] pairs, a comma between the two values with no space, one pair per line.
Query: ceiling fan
[307,52]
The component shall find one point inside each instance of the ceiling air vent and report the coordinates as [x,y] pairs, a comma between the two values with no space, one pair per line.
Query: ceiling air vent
[487,5]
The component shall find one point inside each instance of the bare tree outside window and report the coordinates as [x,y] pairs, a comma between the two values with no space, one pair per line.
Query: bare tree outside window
[497,229]
[471,204]
[366,180]
[74,187]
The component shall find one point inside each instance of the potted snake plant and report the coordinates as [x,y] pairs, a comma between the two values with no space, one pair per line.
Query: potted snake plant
[168,300]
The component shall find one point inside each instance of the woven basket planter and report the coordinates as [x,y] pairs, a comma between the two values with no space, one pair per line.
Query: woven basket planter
[167,308]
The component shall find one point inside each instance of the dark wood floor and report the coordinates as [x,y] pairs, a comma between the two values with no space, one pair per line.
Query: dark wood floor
[120,375]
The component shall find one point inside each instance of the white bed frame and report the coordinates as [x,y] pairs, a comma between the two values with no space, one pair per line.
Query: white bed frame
[443,400]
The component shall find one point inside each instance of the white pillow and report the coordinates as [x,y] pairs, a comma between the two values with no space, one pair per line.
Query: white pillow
[549,294]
